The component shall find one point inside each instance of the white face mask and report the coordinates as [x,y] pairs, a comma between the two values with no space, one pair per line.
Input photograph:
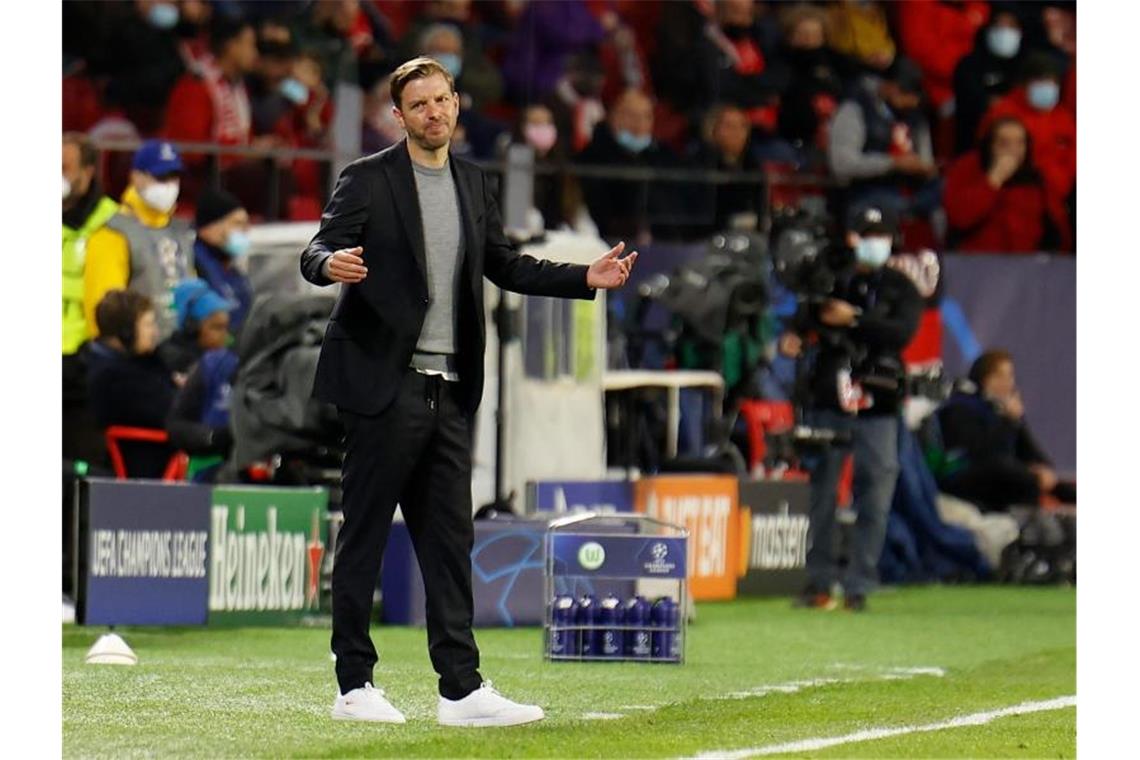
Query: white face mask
[161,196]
[873,251]
[66,188]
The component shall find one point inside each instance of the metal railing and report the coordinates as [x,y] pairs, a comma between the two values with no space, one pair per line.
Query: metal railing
[277,159]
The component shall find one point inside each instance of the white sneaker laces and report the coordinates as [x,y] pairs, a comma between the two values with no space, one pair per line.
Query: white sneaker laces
[490,687]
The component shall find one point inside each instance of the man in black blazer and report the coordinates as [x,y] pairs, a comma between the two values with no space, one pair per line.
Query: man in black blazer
[410,232]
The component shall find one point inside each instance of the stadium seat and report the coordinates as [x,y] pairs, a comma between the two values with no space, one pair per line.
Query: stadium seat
[175,469]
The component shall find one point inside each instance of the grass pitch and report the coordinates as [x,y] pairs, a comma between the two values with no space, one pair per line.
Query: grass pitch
[759,673]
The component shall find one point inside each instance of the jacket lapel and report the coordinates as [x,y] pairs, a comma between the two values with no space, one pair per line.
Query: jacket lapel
[466,214]
[402,182]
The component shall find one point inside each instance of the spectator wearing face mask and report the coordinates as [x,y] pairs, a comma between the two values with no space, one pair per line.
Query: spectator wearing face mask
[139,57]
[996,200]
[556,195]
[271,87]
[142,248]
[444,43]
[203,325]
[625,208]
[1052,127]
[220,249]
[986,74]
[446,33]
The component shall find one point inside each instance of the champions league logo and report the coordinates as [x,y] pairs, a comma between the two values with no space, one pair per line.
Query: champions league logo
[659,563]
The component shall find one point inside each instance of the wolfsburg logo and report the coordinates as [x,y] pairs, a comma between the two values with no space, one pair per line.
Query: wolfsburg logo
[255,571]
[591,555]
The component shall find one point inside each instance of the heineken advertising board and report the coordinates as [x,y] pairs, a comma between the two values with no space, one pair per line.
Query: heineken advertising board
[266,550]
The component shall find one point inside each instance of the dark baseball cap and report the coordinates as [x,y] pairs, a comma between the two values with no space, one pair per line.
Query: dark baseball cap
[872,220]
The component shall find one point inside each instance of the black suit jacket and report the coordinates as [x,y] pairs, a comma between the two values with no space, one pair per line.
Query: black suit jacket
[376,323]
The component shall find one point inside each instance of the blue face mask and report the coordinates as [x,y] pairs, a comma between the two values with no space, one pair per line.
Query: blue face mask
[873,251]
[237,243]
[163,15]
[1004,41]
[1044,94]
[294,91]
[632,142]
[451,62]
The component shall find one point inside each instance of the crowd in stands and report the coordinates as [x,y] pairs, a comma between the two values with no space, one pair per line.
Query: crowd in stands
[958,117]
[961,116]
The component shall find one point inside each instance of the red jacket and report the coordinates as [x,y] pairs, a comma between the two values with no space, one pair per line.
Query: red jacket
[936,35]
[1010,219]
[1054,135]
[204,107]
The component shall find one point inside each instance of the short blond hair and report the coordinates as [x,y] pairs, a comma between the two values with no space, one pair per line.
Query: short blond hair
[417,68]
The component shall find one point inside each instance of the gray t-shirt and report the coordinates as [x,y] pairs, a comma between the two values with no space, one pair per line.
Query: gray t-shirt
[443,243]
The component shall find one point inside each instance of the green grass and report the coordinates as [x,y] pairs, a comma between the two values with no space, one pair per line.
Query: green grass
[267,692]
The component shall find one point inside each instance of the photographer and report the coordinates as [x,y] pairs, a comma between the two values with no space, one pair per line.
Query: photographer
[855,385]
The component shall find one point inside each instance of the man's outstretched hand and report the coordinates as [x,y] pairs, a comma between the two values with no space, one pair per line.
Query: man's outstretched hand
[609,271]
[346,265]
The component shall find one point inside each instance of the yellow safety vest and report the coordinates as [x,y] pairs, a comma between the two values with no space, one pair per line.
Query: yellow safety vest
[74,253]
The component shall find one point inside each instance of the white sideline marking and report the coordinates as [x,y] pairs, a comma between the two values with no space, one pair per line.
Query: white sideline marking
[811,745]
[788,687]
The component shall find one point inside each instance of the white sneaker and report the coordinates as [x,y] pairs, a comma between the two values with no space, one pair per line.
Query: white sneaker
[486,707]
[366,703]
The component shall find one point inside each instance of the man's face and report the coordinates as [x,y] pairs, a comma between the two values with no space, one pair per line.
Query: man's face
[634,113]
[242,50]
[214,331]
[78,176]
[428,111]
[730,133]
[1001,382]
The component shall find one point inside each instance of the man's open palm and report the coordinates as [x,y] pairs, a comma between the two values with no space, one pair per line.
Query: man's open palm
[609,271]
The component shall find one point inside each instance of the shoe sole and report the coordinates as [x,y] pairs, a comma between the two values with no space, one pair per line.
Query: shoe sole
[488,722]
[337,716]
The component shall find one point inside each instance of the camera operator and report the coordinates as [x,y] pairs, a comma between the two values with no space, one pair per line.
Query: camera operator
[851,340]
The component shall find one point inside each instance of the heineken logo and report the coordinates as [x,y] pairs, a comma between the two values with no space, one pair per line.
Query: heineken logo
[266,569]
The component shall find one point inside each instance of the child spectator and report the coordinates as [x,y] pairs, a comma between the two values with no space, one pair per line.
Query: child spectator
[127,384]
[203,325]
